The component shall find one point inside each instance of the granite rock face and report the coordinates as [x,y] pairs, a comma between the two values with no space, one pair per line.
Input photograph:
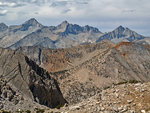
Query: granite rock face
[25,76]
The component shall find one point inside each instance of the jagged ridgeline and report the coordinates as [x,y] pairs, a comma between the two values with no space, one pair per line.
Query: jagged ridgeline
[64,35]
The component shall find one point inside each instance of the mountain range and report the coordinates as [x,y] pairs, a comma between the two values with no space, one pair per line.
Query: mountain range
[67,66]
[65,35]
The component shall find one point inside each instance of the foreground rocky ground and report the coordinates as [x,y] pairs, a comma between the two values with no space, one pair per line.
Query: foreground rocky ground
[123,98]
[120,98]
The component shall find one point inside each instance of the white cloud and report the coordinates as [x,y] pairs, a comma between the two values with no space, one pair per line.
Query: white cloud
[8,4]
[3,12]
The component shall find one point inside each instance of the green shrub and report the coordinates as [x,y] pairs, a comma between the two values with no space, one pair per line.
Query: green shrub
[106,87]
[5,111]
[134,81]
[40,111]
[59,106]
[124,82]
[130,81]
[28,111]
[19,111]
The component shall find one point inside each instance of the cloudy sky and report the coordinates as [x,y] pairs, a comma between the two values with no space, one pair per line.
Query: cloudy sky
[104,14]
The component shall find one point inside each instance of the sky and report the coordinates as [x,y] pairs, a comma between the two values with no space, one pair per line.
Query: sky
[103,14]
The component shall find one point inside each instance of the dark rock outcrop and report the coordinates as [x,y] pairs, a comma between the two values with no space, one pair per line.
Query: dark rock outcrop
[27,77]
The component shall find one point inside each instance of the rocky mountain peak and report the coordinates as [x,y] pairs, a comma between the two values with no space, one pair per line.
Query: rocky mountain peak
[3,27]
[121,33]
[120,29]
[75,29]
[32,22]
[65,22]
[67,28]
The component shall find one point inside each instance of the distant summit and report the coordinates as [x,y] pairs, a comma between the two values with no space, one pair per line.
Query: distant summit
[64,22]
[75,29]
[121,33]
[31,22]
[120,28]
[17,32]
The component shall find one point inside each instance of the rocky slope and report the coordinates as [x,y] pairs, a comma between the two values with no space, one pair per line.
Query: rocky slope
[83,70]
[82,73]
[23,82]
[54,60]
[129,97]
[137,56]
[104,69]
[144,41]
[123,98]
